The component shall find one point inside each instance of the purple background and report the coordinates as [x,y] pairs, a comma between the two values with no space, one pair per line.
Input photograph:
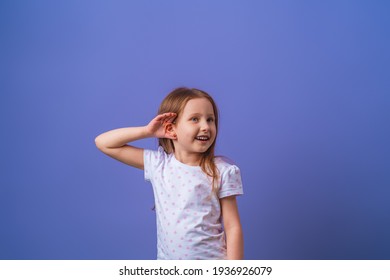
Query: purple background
[303,90]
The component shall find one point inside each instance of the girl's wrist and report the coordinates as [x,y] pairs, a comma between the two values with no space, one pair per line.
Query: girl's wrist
[147,133]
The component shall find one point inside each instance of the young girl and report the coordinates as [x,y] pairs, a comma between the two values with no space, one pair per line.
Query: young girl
[194,191]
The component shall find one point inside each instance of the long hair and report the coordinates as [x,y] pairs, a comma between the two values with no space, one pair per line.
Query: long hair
[175,102]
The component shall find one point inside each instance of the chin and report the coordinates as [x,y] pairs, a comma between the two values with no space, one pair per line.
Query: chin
[205,150]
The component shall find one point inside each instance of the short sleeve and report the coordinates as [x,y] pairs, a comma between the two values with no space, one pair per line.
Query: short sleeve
[231,183]
[152,160]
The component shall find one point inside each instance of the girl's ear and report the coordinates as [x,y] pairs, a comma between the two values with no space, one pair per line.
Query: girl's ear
[170,131]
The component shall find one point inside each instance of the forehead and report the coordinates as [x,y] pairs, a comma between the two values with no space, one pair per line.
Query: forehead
[198,106]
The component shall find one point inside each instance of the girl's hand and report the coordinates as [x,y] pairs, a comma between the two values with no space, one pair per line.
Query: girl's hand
[157,126]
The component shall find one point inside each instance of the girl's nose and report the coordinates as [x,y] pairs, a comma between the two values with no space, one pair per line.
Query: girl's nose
[205,126]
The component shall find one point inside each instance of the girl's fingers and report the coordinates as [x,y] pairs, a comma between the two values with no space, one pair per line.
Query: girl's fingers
[164,118]
[158,118]
[171,119]
[167,117]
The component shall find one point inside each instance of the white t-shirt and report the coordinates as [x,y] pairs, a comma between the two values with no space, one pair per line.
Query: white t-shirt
[188,213]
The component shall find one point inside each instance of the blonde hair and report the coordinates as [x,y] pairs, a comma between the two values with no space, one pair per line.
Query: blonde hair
[175,102]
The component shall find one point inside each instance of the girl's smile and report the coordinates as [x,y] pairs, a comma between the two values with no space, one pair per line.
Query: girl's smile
[203,138]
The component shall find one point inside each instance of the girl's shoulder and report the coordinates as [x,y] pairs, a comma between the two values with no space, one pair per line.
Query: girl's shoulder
[160,152]
[224,163]
[230,177]
[157,156]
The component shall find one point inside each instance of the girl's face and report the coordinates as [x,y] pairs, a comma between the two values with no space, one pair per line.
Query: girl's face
[195,127]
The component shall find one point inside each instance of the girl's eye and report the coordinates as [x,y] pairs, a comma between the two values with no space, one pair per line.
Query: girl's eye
[194,119]
[210,119]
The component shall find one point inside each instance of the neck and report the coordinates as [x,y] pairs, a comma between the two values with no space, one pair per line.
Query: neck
[192,159]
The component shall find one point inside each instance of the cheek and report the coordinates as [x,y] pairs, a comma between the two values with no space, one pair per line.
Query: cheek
[188,132]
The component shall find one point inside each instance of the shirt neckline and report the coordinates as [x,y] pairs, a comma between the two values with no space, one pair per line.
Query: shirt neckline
[183,164]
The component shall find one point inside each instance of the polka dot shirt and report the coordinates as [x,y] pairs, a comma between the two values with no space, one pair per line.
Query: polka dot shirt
[188,212]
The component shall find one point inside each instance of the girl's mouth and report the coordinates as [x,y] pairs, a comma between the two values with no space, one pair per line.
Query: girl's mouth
[202,138]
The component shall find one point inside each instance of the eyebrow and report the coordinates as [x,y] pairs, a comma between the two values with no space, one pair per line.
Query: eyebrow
[199,114]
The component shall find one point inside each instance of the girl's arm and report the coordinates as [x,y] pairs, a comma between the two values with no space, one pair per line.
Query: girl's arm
[114,142]
[233,230]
